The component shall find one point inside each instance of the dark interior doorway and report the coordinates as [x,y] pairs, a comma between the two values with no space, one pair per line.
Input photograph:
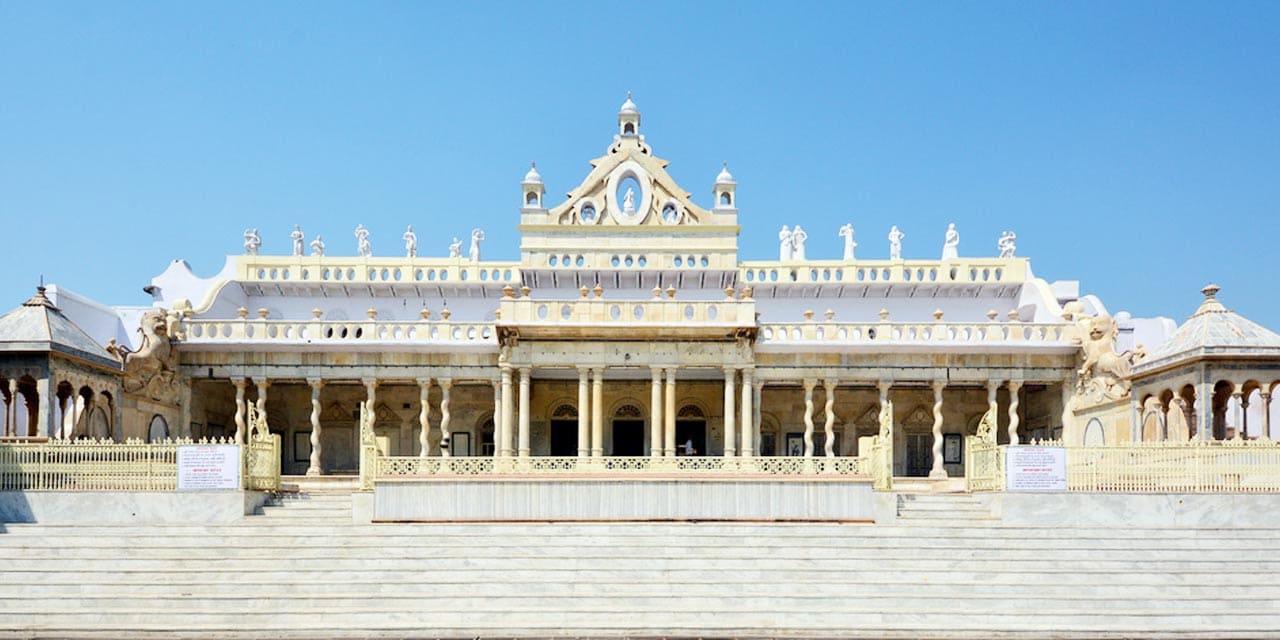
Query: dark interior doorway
[691,431]
[628,437]
[564,437]
[919,454]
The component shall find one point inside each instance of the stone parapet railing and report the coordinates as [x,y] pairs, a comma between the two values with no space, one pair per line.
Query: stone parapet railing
[390,468]
[347,269]
[321,332]
[603,317]
[1053,334]
[105,465]
[961,271]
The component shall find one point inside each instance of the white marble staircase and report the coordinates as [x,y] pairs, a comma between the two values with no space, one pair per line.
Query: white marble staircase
[944,569]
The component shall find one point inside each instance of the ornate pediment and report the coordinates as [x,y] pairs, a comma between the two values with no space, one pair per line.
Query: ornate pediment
[919,417]
[335,413]
[629,187]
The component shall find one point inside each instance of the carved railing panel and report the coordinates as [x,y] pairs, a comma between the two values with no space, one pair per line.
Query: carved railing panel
[317,332]
[1048,334]
[415,467]
[963,271]
[390,270]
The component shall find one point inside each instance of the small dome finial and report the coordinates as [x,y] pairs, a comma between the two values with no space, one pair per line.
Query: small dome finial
[1210,304]
[1210,291]
[533,175]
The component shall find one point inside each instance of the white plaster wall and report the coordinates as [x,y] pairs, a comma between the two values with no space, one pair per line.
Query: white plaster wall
[131,507]
[1139,510]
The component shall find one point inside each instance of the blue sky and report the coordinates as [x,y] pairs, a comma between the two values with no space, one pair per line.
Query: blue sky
[1132,146]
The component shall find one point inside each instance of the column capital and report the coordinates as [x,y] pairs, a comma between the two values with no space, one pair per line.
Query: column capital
[369,382]
[598,375]
[525,372]
[992,385]
[424,383]
[583,369]
[315,383]
[656,372]
[239,383]
[261,382]
[444,383]
[810,383]
[884,385]
[830,383]
[1014,385]
[938,385]
[729,370]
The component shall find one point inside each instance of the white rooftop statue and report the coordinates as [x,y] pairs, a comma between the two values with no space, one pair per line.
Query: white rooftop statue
[455,248]
[798,238]
[1006,244]
[410,243]
[317,247]
[476,236]
[363,247]
[629,201]
[297,238]
[785,248]
[252,242]
[951,243]
[846,232]
[895,243]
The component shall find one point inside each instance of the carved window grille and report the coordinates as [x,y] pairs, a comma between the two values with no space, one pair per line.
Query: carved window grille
[628,411]
[690,411]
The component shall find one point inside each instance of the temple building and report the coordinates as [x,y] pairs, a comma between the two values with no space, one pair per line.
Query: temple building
[630,326]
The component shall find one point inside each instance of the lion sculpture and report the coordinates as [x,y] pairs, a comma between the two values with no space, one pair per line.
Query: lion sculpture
[1105,373]
[151,370]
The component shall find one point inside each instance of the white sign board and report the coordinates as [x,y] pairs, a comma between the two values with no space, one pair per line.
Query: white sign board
[208,466]
[1035,468]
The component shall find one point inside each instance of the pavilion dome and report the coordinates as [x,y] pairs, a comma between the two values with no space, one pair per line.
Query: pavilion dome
[1213,330]
[724,177]
[629,108]
[38,326]
[533,175]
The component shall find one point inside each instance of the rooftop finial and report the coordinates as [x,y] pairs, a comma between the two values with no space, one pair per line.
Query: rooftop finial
[1210,304]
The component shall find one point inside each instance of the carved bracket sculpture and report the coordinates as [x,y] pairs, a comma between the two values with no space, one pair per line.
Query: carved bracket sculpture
[151,371]
[1104,374]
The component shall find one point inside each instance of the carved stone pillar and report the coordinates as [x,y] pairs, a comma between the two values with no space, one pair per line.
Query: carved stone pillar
[937,471]
[240,409]
[1266,415]
[757,387]
[1204,411]
[508,411]
[44,404]
[992,405]
[524,412]
[262,384]
[1014,387]
[730,423]
[749,426]
[424,418]
[11,411]
[584,412]
[828,427]
[808,416]
[315,468]
[669,437]
[498,427]
[655,413]
[446,385]
[597,412]
[1242,432]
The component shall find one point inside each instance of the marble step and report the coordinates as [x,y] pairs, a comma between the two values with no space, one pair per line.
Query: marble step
[653,603]
[677,617]
[631,563]
[253,526]
[1259,593]
[234,544]
[1065,574]
[661,550]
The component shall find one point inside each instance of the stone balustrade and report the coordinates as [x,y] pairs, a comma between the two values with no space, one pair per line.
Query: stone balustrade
[318,332]
[681,315]
[389,468]
[963,271]
[339,269]
[1049,334]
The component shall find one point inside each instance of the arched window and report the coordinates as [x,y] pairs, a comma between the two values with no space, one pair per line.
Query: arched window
[725,199]
[629,129]
[158,430]
[531,199]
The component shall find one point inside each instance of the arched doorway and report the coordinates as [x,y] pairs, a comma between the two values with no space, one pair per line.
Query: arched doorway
[691,431]
[564,430]
[628,431]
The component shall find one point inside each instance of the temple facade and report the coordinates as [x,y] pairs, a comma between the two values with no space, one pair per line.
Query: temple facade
[630,326]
